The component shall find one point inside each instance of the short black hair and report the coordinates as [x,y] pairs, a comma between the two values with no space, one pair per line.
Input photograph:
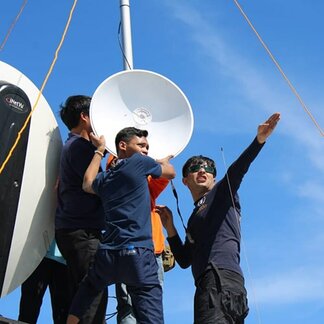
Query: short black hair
[127,133]
[72,108]
[198,159]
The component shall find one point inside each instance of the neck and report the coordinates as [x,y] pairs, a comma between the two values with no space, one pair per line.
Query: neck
[196,195]
[81,132]
[121,155]
[198,192]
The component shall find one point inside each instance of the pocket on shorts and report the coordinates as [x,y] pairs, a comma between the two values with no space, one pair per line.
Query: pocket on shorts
[235,304]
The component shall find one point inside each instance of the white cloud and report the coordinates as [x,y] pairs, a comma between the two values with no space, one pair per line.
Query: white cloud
[313,190]
[296,286]
[305,178]
[253,84]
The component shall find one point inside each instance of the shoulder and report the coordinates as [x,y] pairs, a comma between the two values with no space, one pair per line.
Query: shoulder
[138,157]
[78,143]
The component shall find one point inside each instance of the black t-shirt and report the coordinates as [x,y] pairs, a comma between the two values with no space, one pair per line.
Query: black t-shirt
[76,209]
[214,224]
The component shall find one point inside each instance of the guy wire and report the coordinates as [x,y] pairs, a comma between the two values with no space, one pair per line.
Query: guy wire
[41,89]
[242,240]
[280,70]
[12,25]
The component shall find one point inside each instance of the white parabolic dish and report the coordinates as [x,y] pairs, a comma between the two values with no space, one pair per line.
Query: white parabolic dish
[33,229]
[146,100]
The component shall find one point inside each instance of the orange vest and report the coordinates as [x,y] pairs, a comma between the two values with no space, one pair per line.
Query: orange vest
[156,186]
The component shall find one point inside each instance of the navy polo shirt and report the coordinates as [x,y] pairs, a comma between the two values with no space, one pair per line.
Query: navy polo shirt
[126,200]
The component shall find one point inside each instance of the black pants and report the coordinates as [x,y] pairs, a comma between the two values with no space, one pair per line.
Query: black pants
[54,275]
[78,247]
[220,298]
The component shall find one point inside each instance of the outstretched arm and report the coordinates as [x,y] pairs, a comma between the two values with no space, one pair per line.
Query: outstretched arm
[266,129]
[92,170]
[235,173]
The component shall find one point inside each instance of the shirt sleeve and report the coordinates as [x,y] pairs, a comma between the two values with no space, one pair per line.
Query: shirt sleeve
[80,156]
[151,167]
[231,182]
[182,252]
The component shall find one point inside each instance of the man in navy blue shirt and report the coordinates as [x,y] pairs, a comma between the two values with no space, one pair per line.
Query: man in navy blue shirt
[79,215]
[126,253]
[212,245]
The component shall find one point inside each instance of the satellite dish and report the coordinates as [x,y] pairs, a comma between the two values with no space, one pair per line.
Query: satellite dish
[145,100]
[27,182]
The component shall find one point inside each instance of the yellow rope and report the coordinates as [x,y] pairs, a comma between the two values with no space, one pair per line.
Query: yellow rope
[42,88]
[13,25]
[281,71]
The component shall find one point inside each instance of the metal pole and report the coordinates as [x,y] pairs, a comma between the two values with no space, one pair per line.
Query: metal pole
[126,34]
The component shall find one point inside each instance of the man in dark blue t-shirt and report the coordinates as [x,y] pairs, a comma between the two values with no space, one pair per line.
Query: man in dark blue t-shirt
[126,253]
[79,215]
[212,245]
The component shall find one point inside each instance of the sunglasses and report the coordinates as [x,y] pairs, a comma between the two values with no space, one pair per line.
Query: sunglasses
[196,167]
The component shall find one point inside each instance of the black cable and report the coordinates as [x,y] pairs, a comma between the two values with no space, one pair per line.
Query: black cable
[111,315]
[190,239]
[121,47]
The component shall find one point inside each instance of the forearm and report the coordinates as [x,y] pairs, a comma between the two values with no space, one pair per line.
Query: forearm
[181,252]
[240,167]
[168,171]
[92,171]
[171,230]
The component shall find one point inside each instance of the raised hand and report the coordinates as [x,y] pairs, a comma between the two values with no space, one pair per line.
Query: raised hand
[265,129]
[166,219]
[165,159]
[98,141]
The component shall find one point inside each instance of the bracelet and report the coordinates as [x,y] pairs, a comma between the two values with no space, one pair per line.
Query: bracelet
[100,153]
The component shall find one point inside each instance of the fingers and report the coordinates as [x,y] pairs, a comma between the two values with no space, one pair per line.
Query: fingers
[100,138]
[165,159]
[265,129]
[163,210]
[273,119]
[98,141]
[159,208]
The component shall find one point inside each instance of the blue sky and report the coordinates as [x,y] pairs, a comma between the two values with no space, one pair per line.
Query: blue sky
[210,52]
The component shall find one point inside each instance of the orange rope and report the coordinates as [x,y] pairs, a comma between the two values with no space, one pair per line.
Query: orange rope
[281,71]
[13,25]
[42,88]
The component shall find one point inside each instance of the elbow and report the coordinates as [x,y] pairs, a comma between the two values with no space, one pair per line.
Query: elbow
[183,260]
[168,172]
[171,175]
[86,186]
[183,264]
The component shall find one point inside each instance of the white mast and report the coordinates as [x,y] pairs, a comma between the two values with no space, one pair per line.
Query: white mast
[126,34]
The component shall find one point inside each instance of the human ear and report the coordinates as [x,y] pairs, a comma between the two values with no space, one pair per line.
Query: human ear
[83,116]
[122,146]
[185,181]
